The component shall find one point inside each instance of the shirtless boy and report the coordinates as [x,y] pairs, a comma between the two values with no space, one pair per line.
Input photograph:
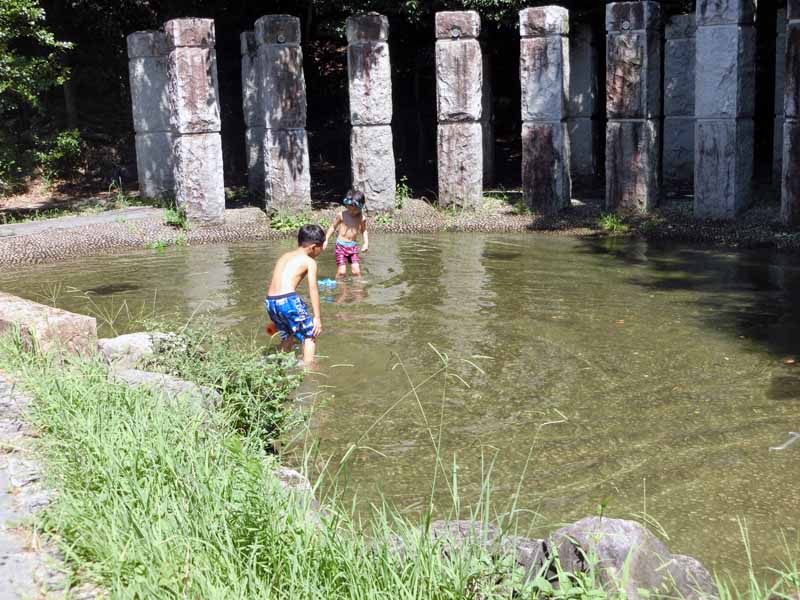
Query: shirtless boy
[347,225]
[286,309]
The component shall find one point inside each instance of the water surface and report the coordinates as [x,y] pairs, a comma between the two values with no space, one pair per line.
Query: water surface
[652,381]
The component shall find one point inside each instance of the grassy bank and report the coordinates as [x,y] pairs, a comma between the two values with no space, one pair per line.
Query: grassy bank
[156,500]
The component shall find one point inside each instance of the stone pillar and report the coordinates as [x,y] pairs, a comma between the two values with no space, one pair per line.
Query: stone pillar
[370,77]
[790,187]
[459,98]
[724,105]
[487,122]
[147,69]
[679,62]
[287,177]
[253,120]
[780,78]
[633,106]
[544,81]
[194,117]
[583,124]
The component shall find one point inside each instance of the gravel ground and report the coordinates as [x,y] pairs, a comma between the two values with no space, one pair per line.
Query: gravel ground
[29,567]
[758,227]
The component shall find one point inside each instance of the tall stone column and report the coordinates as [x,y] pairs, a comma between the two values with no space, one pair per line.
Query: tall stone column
[544,81]
[790,201]
[459,98]
[253,120]
[287,176]
[679,61]
[487,122]
[633,106]
[724,105]
[584,124]
[194,117]
[370,77]
[780,78]
[147,69]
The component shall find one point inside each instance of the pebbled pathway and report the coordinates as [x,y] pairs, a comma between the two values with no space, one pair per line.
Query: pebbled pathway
[28,568]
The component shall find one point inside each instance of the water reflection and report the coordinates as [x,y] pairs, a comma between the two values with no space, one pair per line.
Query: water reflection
[654,379]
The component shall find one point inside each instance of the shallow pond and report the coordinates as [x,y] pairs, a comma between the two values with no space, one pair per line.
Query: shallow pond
[583,373]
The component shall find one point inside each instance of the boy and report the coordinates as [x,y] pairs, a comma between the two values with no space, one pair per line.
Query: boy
[287,311]
[348,224]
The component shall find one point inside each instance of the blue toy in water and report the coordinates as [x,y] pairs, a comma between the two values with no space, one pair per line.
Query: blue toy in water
[331,283]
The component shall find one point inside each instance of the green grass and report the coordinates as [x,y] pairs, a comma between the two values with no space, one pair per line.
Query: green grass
[156,500]
[176,217]
[384,219]
[281,221]
[402,193]
[613,223]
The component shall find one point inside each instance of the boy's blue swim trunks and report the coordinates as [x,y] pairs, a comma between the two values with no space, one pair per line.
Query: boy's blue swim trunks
[290,315]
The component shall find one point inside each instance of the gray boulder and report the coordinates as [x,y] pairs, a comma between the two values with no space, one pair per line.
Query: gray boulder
[131,349]
[171,388]
[691,579]
[625,555]
[529,554]
[456,535]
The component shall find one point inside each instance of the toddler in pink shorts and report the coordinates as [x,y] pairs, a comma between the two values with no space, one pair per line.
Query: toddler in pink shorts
[347,225]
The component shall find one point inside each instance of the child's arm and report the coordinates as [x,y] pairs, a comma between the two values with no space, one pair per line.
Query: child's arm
[313,293]
[365,234]
[331,229]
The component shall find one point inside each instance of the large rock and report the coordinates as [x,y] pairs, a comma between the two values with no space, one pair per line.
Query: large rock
[133,348]
[277,29]
[199,185]
[626,557]
[193,90]
[454,536]
[460,162]
[47,328]
[370,81]
[283,85]
[633,164]
[631,16]
[372,160]
[725,12]
[545,166]
[170,388]
[459,76]
[287,177]
[453,25]
[678,156]
[679,79]
[544,77]
[190,33]
[633,75]
[723,167]
[790,184]
[543,21]
[691,579]
[530,555]
[147,71]
[371,27]
[725,72]
[155,163]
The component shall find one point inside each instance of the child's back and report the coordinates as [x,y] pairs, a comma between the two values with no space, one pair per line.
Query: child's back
[286,309]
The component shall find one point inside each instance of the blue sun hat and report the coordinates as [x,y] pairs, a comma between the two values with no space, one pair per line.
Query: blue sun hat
[350,201]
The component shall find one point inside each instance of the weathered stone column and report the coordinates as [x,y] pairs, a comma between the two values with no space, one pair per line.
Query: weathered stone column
[487,122]
[194,117]
[583,124]
[147,69]
[459,97]
[679,61]
[724,105]
[780,78]
[370,77]
[790,201]
[544,81]
[633,106]
[287,177]
[253,120]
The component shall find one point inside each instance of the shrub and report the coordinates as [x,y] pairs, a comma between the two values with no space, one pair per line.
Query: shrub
[60,157]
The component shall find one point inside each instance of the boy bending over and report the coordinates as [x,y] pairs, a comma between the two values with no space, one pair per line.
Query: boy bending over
[286,309]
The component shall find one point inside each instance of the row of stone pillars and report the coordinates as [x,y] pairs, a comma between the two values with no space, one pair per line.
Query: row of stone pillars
[702,125]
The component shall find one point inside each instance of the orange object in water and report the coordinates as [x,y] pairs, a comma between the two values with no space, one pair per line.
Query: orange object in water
[271,329]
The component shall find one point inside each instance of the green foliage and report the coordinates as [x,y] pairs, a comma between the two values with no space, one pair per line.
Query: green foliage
[613,223]
[61,156]
[282,221]
[384,219]
[29,54]
[175,216]
[402,192]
